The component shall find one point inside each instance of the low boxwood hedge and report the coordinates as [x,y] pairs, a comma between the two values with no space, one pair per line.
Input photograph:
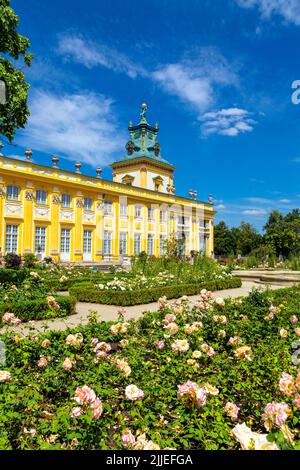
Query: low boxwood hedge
[54,283]
[38,309]
[13,276]
[85,292]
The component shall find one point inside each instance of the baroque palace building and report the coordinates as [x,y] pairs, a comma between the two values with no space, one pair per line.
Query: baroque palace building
[73,217]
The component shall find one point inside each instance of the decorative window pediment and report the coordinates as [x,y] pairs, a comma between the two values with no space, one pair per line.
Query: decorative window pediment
[128,179]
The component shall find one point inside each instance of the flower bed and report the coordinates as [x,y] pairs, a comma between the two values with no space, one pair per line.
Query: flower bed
[92,293]
[30,300]
[41,308]
[216,376]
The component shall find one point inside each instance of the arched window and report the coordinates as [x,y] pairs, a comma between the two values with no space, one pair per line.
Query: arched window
[12,193]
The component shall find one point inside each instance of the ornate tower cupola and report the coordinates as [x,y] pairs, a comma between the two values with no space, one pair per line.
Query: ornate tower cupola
[143,164]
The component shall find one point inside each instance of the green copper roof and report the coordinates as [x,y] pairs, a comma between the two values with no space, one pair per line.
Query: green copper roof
[143,141]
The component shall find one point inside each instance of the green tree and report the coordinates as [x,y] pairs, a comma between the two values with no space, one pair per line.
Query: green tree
[224,243]
[13,47]
[247,238]
[283,233]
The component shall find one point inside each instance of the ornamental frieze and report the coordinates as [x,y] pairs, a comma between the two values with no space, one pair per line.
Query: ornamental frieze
[2,192]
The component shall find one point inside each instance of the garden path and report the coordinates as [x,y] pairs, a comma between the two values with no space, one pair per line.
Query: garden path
[109,312]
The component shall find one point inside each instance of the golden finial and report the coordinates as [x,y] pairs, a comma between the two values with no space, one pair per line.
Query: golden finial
[130,123]
[156,125]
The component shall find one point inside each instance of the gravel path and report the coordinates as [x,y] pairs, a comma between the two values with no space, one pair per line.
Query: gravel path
[109,312]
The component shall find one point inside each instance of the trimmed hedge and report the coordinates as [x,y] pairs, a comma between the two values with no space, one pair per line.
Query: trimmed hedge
[38,309]
[13,276]
[53,283]
[88,293]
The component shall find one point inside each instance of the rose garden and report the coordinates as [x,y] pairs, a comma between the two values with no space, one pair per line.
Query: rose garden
[214,373]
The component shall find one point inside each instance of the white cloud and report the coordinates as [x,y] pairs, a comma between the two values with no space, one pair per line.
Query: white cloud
[79,126]
[194,80]
[288,9]
[285,201]
[184,83]
[230,122]
[91,54]
[255,212]
[296,160]
[220,207]
[259,200]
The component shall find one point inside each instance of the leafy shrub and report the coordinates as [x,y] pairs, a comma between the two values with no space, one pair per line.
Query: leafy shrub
[86,292]
[12,261]
[29,260]
[38,309]
[12,276]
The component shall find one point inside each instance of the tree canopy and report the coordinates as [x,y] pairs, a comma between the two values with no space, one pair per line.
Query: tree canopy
[281,236]
[14,49]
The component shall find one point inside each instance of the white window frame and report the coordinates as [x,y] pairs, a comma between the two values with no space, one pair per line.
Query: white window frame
[107,242]
[162,216]
[11,238]
[162,239]
[138,212]
[150,213]
[12,192]
[88,203]
[123,210]
[107,207]
[87,241]
[40,240]
[150,244]
[65,243]
[65,200]
[137,244]
[123,243]
[40,196]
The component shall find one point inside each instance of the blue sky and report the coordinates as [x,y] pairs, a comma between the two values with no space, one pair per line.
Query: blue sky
[216,75]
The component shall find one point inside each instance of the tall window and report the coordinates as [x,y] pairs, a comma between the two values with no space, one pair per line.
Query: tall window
[88,204]
[123,209]
[162,239]
[12,193]
[40,240]
[11,240]
[40,197]
[150,244]
[162,216]
[87,241]
[107,207]
[66,200]
[137,211]
[137,244]
[202,244]
[65,240]
[107,243]
[150,213]
[123,243]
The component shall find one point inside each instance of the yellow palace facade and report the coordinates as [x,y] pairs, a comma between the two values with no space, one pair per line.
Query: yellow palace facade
[71,217]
